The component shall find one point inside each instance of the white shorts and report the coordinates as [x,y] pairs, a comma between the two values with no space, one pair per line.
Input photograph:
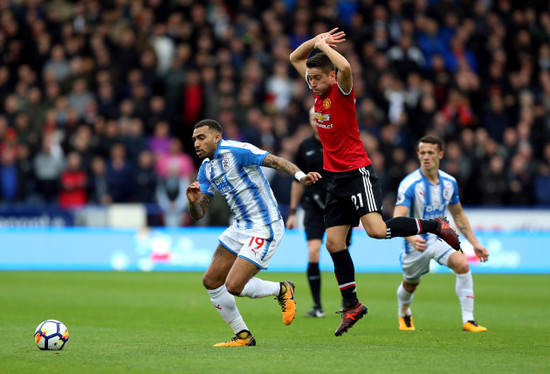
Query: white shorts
[414,263]
[256,245]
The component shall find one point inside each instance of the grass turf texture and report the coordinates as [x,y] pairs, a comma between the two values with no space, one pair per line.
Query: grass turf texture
[164,322]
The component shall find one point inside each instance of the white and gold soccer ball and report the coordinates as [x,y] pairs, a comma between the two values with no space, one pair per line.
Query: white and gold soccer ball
[51,335]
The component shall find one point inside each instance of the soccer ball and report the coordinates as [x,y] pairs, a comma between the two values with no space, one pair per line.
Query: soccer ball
[51,335]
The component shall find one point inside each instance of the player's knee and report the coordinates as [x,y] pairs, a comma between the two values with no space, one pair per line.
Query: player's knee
[234,288]
[409,287]
[376,232]
[209,283]
[462,267]
[334,245]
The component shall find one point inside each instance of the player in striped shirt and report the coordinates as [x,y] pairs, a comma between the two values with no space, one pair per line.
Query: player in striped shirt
[233,169]
[427,193]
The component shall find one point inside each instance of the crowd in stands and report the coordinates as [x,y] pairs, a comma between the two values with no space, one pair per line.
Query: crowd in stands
[98,98]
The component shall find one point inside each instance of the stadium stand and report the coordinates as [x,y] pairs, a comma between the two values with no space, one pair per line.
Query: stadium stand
[91,89]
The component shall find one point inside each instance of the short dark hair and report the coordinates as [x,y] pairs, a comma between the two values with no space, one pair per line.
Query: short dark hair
[212,125]
[432,139]
[320,60]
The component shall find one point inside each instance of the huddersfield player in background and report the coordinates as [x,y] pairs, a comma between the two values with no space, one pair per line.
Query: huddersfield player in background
[427,193]
[354,191]
[233,168]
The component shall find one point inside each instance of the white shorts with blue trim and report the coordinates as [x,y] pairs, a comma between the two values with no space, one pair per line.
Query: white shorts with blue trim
[414,263]
[256,245]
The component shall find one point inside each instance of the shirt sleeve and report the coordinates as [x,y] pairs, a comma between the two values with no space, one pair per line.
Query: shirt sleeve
[454,198]
[246,154]
[405,195]
[206,186]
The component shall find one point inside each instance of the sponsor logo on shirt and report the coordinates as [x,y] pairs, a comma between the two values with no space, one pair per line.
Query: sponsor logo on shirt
[433,211]
[323,118]
[222,184]
[320,117]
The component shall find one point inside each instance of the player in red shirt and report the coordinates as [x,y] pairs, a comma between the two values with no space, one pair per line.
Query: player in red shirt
[354,191]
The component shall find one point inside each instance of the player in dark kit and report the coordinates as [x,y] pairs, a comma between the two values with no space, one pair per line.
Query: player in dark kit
[354,191]
[312,198]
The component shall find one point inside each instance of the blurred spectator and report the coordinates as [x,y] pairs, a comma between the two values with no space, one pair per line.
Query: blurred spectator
[79,97]
[159,143]
[133,138]
[542,186]
[98,184]
[27,183]
[496,119]
[170,194]
[175,160]
[404,57]
[146,178]
[48,166]
[73,184]
[57,65]
[119,172]
[493,184]
[10,180]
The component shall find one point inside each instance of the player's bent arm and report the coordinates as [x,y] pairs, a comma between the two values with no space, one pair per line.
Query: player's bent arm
[288,167]
[278,163]
[298,58]
[463,224]
[345,78]
[198,208]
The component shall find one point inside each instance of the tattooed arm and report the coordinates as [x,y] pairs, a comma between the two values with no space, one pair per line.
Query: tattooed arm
[288,167]
[198,202]
[280,164]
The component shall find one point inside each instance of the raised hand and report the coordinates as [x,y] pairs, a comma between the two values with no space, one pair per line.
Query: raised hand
[331,38]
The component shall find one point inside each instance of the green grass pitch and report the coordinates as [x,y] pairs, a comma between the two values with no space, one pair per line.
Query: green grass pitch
[164,323]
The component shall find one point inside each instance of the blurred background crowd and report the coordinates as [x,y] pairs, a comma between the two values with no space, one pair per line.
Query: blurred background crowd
[98,98]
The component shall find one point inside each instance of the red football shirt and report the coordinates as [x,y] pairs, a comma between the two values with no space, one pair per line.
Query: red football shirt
[339,132]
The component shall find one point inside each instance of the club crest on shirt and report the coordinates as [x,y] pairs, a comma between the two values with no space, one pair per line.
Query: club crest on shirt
[446,194]
[225,162]
[327,103]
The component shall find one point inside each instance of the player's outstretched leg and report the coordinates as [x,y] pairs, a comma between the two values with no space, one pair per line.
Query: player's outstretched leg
[242,339]
[446,232]
[287,302]
[349,317]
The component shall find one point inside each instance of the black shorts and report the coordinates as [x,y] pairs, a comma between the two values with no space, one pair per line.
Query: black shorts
[351,195]
[314,221]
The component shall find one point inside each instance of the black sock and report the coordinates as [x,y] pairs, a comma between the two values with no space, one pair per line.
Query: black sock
[405,226]
[345,276]
[314,279]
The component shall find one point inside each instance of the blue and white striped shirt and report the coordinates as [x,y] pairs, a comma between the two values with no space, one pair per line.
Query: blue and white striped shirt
[235,172]
[426,200]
